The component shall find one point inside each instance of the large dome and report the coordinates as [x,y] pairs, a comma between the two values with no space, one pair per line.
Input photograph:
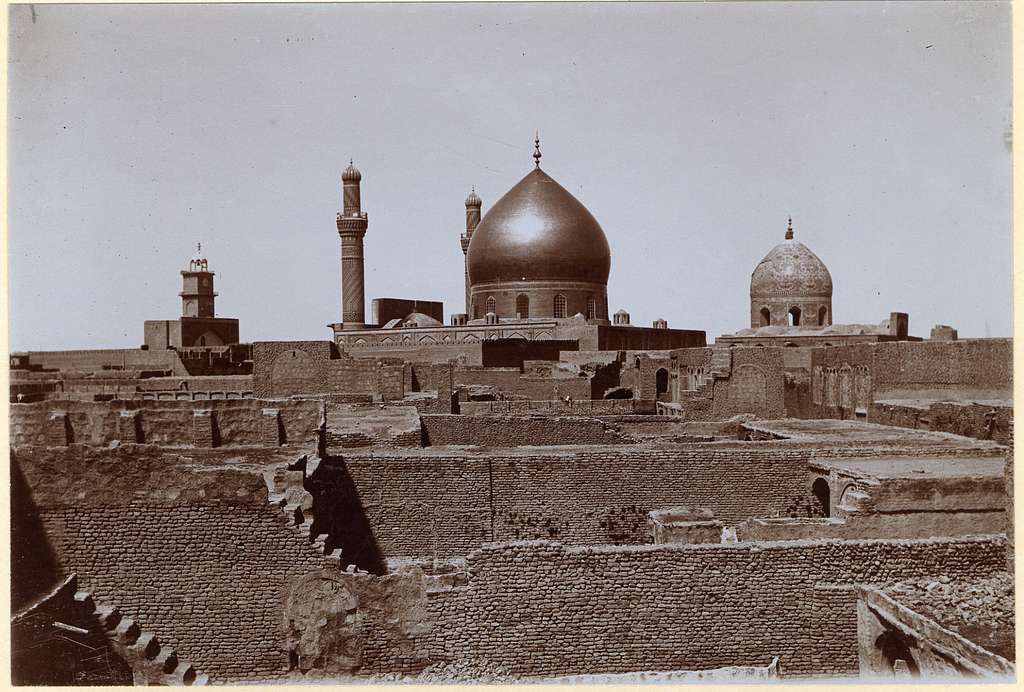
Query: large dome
[791,269]
[538,231]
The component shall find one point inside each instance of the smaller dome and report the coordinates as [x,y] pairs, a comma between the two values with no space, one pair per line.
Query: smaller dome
[418,319]
[351,174]
[621,312]
[790,269]
[474,199]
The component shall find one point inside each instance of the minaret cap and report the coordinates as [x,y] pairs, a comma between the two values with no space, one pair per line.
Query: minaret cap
[474,199]
[351,174]
[789,229]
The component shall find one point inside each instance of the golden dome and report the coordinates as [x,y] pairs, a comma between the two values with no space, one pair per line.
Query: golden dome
[538,231]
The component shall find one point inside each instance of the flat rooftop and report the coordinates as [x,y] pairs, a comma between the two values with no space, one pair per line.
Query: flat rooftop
[860,432]
[916,467]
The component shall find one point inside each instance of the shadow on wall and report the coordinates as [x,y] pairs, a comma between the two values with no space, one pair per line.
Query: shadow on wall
[34,567]
[341,514]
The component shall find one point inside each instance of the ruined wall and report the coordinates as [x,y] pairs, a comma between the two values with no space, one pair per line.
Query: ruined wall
[186,542]
[512,431]
[979,369]
[755,385]
[980,421]
[235,422]
[545,608]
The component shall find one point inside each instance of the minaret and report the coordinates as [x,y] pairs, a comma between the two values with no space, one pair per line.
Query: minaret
[352,224]
[472,220]
[197,293]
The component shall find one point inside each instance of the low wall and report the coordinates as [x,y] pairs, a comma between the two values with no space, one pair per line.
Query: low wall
[235,422]
[543,608]
[980,421]
[446,501]
[513,431]
[558,407]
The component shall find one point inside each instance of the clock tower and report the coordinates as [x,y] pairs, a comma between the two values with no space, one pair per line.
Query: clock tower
[197,292]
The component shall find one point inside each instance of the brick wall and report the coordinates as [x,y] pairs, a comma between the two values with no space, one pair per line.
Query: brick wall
[447,502]
[237,422]
[979,421]
[549,609]
[979,369]
[512,431]
[187,544]
[287,368]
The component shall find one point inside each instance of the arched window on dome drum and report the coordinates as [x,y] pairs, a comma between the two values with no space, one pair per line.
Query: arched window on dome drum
[822,314]
[559,305]
[591,308]
[766,317]
[794,317]
[492,305]
[522,306]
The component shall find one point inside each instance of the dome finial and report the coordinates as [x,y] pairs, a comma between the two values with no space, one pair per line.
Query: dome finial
[789,229]
[536,148]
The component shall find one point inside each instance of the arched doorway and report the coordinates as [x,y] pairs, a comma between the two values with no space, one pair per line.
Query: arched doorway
[821,494]
[660,382]
[794,316]
[822,314]
[766,317]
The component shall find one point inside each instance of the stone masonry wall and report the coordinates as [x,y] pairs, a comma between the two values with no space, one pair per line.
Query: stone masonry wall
[448,502]
[185,542]
[512,431]
[238,422]
[542,608]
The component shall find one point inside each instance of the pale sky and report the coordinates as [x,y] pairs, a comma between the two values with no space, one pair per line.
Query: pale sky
[690,131]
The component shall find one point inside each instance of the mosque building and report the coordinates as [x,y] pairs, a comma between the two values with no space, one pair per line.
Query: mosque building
[536,268]
[791,305]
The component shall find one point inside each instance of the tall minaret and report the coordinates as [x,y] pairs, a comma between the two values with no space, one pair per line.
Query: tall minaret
[472,220]
[352,224]
[197,294]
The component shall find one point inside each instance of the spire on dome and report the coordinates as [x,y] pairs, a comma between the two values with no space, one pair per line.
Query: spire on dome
[789,229]
[536,148]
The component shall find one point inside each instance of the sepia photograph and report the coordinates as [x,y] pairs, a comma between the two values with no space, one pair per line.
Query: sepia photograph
[510,343]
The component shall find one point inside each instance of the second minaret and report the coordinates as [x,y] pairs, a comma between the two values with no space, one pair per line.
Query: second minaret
[352,223]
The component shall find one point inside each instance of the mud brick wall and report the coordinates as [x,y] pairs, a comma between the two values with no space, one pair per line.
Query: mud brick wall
[543,608]
[979,368]
[755,385]
[448,502]
[513,431]
[238,422]
[188,544]
[287,368]
[979,421]
[505,379]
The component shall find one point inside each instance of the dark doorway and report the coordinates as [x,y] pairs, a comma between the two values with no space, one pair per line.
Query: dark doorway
[896,646]
[766,317]
[660,382]
[794,317]
[821,494]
